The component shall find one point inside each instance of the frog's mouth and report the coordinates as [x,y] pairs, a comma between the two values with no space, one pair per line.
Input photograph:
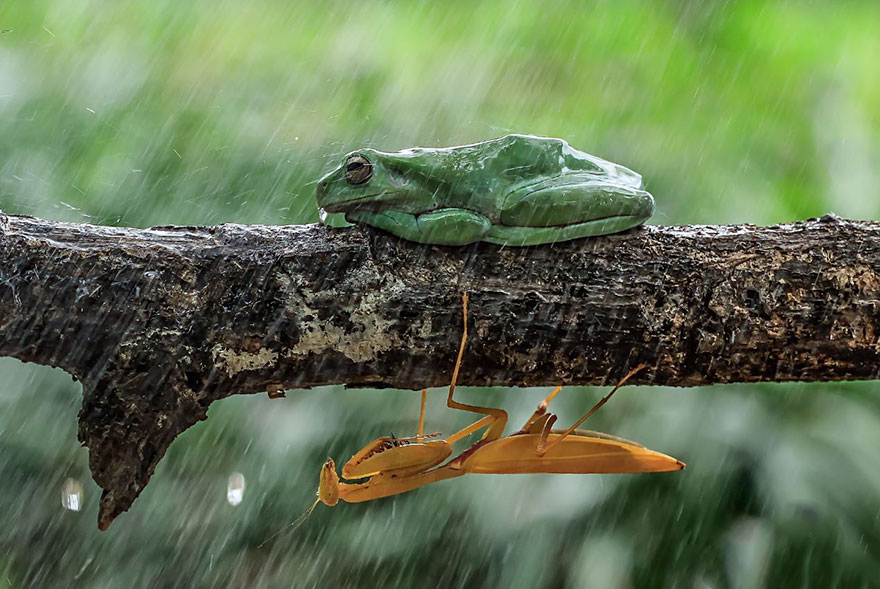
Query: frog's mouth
[352,203]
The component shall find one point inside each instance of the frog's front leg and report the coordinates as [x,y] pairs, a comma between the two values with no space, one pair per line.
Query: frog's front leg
[554,211]
[449,226]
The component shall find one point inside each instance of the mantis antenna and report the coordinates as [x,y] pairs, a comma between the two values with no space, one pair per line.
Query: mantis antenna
[294,524]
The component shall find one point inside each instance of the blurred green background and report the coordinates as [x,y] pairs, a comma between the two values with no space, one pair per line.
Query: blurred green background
[203,112]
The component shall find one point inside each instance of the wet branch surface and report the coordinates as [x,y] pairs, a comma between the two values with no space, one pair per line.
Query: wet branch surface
[158,323]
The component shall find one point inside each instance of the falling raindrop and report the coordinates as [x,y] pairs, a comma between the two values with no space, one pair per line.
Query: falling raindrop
[235,489]
[72,495]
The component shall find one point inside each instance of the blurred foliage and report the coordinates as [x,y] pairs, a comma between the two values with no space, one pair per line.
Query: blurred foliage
[143,113]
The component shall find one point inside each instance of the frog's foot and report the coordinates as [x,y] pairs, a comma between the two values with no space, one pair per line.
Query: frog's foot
[521,236]
[441,227]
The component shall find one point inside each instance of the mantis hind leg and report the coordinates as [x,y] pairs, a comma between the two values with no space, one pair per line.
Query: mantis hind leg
[496,419]
[421,433]
[535,423]
[544,447]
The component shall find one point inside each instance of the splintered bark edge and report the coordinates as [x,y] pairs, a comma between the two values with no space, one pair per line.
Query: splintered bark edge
[158,323]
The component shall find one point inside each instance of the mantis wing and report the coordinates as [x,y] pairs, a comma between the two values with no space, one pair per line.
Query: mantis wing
[581,452]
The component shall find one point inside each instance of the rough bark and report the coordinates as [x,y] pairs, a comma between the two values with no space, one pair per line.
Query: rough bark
[158,323]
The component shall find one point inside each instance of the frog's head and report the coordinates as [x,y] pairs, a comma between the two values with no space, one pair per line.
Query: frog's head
[370,179]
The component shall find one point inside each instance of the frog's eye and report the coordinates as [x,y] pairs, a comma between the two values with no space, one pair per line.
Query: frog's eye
[358,170]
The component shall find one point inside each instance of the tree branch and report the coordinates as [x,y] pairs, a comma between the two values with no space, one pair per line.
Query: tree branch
[158,323]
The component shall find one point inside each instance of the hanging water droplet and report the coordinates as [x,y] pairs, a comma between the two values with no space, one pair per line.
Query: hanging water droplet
[72,495]
[333,219]
[235,488]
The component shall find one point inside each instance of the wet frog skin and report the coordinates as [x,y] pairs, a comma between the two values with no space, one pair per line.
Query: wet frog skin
[517,190]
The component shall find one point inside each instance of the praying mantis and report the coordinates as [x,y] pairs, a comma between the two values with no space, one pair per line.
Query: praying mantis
[396,465]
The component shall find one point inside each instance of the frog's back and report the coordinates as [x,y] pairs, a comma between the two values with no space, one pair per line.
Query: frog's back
[480,176]
[488,170]
[519,158]
[510,160]
[523,157]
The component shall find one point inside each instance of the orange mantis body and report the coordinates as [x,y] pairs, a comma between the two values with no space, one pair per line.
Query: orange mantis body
[396,465]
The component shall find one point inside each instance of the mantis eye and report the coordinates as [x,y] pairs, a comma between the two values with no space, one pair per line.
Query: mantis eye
[358,170]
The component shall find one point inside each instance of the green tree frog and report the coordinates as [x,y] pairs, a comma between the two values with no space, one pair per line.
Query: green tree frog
[517,190]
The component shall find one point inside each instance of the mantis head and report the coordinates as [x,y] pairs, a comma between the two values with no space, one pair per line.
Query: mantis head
[328,484]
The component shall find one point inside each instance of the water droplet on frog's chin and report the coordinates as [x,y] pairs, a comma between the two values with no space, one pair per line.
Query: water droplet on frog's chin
[332,219]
